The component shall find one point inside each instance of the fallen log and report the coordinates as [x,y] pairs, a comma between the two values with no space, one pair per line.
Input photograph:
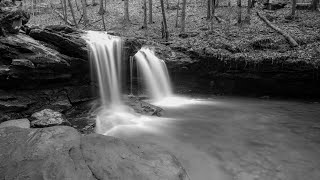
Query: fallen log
[220,20]
[61,17]
[291,41]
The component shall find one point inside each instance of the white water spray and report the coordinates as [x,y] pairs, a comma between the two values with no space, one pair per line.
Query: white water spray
[155,74]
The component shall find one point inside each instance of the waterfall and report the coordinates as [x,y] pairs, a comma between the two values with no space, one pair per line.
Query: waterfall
[105,58]
[106,62]
[155,74]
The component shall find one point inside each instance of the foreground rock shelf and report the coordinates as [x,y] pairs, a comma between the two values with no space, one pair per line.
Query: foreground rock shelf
[60,152]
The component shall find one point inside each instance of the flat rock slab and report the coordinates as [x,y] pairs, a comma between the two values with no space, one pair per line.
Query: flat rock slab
[21,123]
[60,153]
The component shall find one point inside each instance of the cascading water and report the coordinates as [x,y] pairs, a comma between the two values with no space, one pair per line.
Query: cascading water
[155,74]
[105,57]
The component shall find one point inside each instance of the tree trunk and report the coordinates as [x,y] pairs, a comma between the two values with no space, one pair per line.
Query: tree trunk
[72,13]
[248,17]
[292,42]
[126,11]
[84,9]
[183,15]
[239,11]
[64,10]
[102,12]
[208,9]
[168,6]
[213,7]
[165,28]
[77,5]
[145,24]
[314,6]
[293,10]
[211,14]
[150,12]
[177,17]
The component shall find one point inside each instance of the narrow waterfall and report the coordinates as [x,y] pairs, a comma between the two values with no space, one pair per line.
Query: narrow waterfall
[105,58]
[155,74]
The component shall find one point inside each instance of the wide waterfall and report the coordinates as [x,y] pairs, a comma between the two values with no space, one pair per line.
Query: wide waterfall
[155,74]
[105,57]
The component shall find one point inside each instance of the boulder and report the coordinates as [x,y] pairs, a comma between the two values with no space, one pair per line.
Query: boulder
[60,153]
[47,118]
[21,123]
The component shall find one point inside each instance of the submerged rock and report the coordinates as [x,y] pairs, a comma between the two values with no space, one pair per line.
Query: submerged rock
[21,123]
[48,117]
[60,152]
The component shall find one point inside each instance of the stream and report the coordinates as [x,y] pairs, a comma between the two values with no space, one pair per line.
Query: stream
[224,138]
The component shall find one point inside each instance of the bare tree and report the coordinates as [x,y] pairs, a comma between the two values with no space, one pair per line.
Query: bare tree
[213,7]
[314,5]
[177,17]
[183,15]
[126,11]
[64,9]
[164,22]
[72,13]
[84,12]
[293,9]
[102,12]
[208,9]
[211,14]
[239,11]
[145,24]
[248,17]
[150,12]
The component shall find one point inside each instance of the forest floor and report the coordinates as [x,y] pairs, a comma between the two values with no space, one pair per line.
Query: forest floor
[228,40]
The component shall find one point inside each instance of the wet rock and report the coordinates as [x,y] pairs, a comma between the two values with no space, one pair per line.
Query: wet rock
[80,93]
[142,107]
[48,117]
[23,63]
[82,116]
[49,153]
[21,123]
[60,105]
[9,106]
[112,158]
[60,152]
